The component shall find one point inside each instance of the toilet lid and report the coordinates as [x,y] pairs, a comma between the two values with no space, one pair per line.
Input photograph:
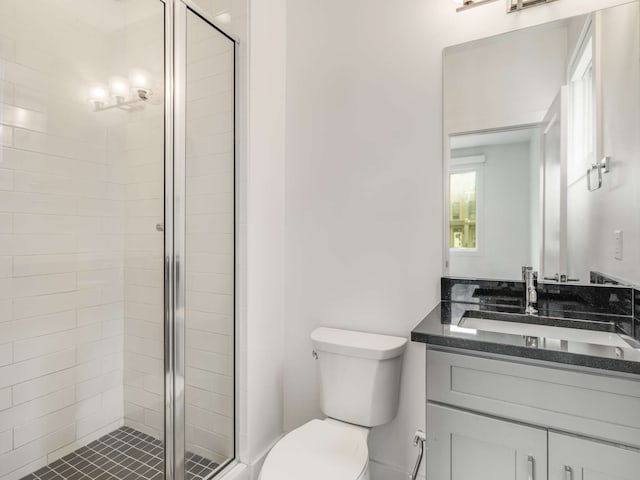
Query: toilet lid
[318,450]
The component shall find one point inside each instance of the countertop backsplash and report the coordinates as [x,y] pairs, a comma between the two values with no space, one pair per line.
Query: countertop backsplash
[620,304]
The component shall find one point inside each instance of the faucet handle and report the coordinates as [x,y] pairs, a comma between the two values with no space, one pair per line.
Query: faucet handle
[529,275]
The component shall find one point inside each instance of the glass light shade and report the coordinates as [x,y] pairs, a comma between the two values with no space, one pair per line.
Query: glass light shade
[98,93]
[140,79]
[119,87]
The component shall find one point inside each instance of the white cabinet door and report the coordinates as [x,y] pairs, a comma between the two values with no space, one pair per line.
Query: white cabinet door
[465,446]
[572,458]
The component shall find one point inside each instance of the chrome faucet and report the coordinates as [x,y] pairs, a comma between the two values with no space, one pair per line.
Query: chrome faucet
[530,279]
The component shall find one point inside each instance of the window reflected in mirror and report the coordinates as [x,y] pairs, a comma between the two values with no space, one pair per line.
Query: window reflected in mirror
[463,201]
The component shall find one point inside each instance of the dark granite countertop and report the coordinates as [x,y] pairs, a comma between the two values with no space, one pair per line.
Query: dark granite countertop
[440,327]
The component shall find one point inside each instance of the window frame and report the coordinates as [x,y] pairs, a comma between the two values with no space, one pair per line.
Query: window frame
[464,165]
[577,67]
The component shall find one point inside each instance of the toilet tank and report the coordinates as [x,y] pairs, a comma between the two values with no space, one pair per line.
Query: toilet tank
[359,375]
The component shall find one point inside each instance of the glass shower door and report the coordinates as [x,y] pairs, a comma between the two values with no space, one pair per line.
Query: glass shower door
[204,244]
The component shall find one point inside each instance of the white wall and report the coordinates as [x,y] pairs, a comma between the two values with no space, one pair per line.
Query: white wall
[494,83]
[358,255]
[503,207]
[364,180]
[262,231]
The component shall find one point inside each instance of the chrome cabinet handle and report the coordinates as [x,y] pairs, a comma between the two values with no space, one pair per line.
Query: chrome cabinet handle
[568,473]
[565,279]
[530,463]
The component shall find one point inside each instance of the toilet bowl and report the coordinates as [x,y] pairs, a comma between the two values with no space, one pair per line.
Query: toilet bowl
[320,450]
[359,385]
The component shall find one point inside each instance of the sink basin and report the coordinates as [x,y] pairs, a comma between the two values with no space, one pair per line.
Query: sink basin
[583,331]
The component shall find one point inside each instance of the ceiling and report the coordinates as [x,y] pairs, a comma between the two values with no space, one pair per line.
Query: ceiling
[109,15]
[503,137]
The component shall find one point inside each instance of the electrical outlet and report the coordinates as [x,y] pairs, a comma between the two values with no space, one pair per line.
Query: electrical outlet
[618,241]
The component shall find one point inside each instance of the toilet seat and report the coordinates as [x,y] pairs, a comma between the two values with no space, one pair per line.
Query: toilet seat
[318,450]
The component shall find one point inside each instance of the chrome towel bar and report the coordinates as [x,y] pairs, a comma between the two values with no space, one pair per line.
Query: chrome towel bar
[601,167]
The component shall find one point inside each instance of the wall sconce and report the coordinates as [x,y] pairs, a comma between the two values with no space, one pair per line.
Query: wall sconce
[141,84]
[467,4]
[517,5]
[512,5]
[122,93]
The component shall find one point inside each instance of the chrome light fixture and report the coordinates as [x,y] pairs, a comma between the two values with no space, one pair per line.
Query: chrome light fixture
[512,5]
[122,93]
[517,5]
[467,4]
[141,83]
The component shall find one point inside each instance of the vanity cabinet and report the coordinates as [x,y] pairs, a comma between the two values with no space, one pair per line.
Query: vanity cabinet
[464,446]
[501,419]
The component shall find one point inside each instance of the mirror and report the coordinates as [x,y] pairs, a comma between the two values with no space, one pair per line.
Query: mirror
[542,151]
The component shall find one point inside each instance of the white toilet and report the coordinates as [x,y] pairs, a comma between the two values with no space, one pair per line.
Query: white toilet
[360,385]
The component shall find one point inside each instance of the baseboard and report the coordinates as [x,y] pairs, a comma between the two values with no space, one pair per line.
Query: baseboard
[255,465]
[381,471]
[238,472]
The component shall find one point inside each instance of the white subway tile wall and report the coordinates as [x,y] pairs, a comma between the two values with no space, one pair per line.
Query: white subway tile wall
[79,252]
[140,141]
[209,242]
[144,285]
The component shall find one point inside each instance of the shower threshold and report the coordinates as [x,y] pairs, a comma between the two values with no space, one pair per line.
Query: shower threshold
[124,454]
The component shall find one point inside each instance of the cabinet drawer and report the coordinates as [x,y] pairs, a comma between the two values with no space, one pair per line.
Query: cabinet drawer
[590,404]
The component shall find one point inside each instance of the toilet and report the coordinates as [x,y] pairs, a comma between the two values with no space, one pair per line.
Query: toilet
[360,388]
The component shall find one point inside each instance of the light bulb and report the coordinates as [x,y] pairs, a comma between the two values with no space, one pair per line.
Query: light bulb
[98,95]
[119,88]
[139,79]
[141,83]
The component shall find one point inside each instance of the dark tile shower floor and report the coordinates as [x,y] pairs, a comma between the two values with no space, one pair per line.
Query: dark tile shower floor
[124,454]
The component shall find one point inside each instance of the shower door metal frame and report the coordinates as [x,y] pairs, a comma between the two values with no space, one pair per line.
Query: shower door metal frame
[175,222]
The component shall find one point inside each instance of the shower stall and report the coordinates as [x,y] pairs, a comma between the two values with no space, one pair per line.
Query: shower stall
[117,239]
